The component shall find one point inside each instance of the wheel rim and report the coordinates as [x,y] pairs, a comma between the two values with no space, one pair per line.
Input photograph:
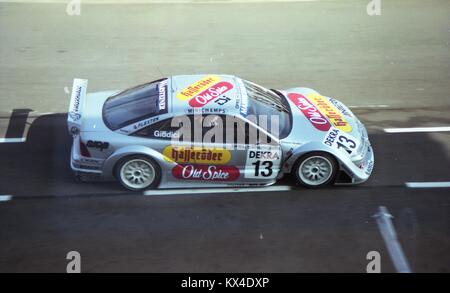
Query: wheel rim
[315,170]
[137,173]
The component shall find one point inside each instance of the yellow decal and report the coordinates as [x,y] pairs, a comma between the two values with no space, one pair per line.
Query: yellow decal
[197,87]
[330,111]
[197,155]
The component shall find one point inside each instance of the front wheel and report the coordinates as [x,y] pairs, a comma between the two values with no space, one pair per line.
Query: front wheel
[138,173]
[316,170]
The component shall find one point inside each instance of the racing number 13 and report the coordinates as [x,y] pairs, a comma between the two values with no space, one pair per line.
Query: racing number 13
[263,168]
[346,144]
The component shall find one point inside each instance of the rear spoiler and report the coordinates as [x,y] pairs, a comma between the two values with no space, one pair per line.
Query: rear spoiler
[77,101]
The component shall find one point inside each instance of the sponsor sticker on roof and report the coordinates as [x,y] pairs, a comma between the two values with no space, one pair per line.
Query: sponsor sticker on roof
[162,96]
[197,87]
[210,94]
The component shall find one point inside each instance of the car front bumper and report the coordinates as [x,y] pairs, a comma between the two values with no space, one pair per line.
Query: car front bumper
[360,172]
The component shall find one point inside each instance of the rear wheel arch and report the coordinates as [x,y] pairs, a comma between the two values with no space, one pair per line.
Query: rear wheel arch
[110,162]
[138,156]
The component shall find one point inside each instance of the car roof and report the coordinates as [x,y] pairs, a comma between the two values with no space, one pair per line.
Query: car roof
[199,94]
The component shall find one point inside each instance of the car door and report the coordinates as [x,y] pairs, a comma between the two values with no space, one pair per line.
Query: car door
[198,161]
[256,154]
[205,161]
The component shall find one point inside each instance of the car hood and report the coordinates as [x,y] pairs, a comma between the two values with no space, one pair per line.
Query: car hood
[316,118]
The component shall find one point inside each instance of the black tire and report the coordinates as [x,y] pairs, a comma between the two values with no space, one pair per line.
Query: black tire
[141,159]
[327,159]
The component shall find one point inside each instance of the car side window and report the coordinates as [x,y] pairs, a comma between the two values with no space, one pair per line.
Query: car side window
[219,123]
[207,122]
[243,132]
[164,129]
[235,130]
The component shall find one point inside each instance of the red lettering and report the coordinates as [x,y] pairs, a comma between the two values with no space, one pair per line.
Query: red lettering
[310,111]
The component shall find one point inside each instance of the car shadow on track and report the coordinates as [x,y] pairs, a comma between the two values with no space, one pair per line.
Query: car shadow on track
[40,165]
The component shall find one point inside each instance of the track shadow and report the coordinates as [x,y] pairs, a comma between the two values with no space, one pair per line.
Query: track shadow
[408,157]
[40,166]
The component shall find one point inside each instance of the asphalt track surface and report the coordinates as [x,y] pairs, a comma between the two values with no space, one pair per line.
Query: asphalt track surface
[392,67]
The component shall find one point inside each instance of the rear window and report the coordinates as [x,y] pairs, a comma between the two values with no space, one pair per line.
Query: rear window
[135,104]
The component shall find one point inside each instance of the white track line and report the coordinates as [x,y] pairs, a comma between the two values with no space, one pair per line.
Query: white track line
[216,190]
[5,197]
[7,115]
[13,140]
[387,230]
[428,184]
[417,129]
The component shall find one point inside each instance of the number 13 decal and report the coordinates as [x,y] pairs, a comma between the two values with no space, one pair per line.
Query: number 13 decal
[346,143]
[263,168]
[262,163]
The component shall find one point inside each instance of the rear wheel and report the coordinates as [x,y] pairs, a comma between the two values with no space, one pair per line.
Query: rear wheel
[316,170]
[138,173]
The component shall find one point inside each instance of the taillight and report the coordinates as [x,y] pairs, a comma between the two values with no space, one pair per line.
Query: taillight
[84,150]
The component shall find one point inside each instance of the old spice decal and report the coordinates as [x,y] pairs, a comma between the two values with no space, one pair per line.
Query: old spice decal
[205,172]
[310,111]
[330,112]
[212,156]
[197,87]
[210,94]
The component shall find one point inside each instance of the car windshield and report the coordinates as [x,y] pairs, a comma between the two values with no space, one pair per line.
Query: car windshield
[269,103]
[135,104]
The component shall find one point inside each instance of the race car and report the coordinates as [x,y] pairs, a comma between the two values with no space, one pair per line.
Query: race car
[215,131]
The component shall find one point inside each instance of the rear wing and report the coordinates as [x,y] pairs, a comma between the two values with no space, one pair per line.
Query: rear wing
[77,101]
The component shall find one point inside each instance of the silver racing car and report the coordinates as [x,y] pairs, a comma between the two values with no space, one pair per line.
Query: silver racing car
[215,131]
